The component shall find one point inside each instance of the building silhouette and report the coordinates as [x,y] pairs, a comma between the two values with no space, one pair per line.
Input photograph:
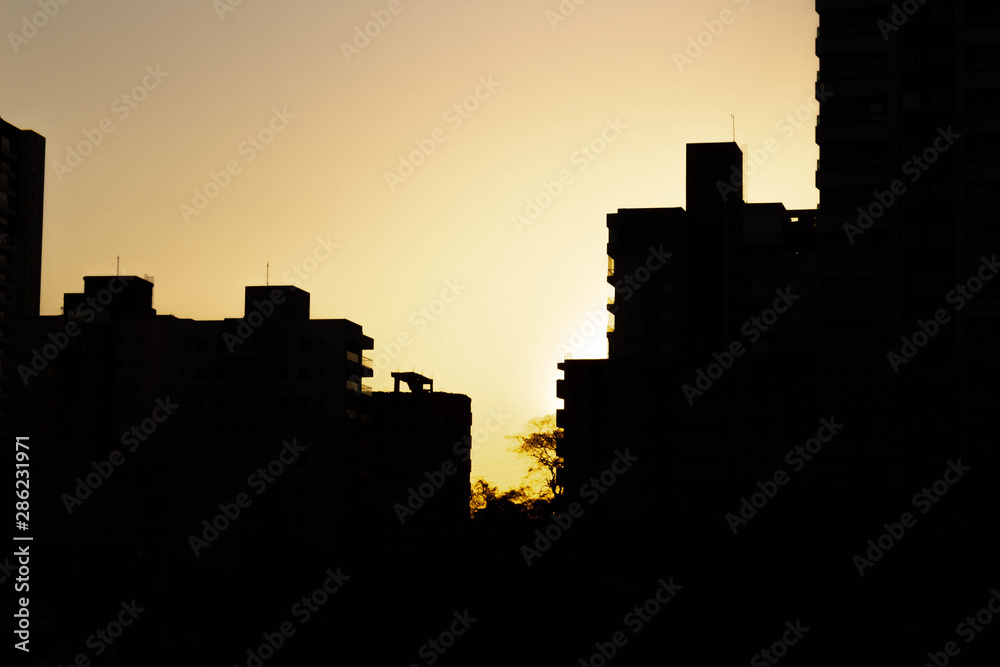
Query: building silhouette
[22,182]
[154,425]
[241,386]
[421,453]
[908,154]
[890,342]
[907,180]
[738,335]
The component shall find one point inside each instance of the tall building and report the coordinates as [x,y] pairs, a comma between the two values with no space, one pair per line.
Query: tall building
[22,186]
[908,174]
[848,353]
[688,283]
[895,262]
[273,390]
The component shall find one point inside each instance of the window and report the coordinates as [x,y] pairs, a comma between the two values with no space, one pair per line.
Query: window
[981,192]
[982,101]
[982,57]
[982,148]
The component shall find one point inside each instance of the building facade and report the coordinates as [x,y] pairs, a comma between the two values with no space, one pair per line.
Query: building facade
[22,187]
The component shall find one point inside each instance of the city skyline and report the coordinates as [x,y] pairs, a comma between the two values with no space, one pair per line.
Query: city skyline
[773,434]
[198,80]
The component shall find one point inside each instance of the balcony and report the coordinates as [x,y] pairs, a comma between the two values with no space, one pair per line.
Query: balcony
[359,389]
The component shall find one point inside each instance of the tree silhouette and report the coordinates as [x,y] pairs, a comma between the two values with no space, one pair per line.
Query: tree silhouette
[488,503]
[539,442]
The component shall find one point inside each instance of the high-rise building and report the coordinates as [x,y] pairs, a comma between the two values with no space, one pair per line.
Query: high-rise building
[848,353]
[897,261]
[908,175]
[240,392]
[688,285]
[22,181]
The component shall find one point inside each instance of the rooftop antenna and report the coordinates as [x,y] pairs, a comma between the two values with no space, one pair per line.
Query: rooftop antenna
[734,127]
[267,279]
[118,266]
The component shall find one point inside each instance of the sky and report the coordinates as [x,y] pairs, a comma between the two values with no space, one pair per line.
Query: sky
[438,172]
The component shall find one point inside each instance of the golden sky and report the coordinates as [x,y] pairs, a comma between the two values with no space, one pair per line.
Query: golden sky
[201,140]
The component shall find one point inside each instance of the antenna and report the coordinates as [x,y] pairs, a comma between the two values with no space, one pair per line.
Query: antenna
[734,127]
[118,266]
[267,279]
